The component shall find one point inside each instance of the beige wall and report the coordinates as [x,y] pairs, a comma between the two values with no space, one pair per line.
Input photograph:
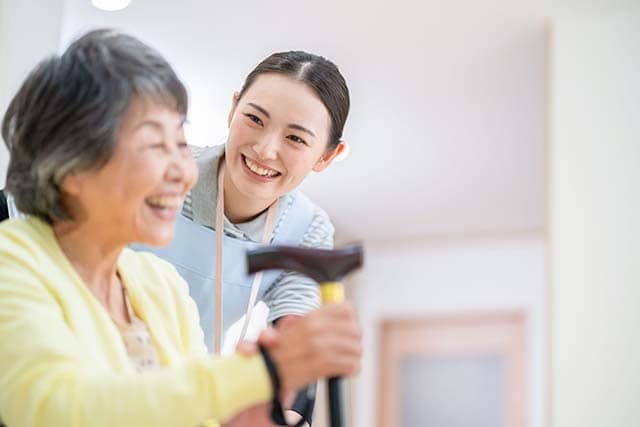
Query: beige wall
[594,214]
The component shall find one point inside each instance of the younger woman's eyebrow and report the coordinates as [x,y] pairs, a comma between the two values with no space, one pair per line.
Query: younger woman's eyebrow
[259,108]
[291,125]
[301,128]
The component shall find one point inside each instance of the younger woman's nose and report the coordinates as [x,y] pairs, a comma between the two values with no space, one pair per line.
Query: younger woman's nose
[267,147]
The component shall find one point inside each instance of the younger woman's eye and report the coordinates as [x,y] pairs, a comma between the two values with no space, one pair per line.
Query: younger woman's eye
[254,118]
[297,139]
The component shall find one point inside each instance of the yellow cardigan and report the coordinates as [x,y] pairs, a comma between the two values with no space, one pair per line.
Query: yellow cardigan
[63,362]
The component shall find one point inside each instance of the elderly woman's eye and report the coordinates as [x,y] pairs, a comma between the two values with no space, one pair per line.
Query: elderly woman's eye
[254,118]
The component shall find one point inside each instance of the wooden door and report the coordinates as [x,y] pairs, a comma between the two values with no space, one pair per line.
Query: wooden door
[453,371]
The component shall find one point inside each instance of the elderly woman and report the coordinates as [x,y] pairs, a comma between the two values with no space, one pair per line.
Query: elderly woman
[94,334]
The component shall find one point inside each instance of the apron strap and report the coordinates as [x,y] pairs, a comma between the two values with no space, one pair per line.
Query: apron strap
[217,326]
[255,286]
[257,280]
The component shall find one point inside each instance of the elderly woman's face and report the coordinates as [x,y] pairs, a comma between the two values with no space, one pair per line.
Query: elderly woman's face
[136,196]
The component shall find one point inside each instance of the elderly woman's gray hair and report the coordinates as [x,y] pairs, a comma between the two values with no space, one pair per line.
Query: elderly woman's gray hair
[65,117]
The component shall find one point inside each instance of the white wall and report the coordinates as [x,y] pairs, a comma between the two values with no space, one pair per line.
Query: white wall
[595,209]
[29,30]
[3,83]
[448,98]
[450,276]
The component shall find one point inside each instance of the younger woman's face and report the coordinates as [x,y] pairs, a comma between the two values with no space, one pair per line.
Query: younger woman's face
[278,133]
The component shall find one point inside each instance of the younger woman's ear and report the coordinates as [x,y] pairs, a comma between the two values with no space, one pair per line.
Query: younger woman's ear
[328,157]
[234,104]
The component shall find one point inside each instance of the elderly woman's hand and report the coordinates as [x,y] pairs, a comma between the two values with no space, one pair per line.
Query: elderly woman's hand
[324,343]
[268,338]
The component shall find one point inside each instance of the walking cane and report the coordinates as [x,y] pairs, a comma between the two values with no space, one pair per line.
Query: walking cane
[328,268]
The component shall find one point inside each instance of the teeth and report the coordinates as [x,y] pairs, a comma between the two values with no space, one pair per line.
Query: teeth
[166,201]
[257,169]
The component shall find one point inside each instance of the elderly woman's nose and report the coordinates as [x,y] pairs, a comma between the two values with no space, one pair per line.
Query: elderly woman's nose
[180,167]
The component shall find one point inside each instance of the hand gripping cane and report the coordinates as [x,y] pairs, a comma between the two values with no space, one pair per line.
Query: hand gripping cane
[327,267]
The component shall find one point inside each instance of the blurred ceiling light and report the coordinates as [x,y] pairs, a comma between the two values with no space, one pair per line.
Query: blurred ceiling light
[345,153]
[110,5]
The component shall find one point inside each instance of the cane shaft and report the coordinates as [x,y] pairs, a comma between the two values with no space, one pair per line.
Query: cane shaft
[333,292]
[336,414]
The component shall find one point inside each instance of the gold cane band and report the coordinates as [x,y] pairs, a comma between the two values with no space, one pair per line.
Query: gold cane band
[332,292]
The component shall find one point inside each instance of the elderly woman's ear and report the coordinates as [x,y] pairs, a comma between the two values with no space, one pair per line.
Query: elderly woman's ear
[70,190]
[71,184]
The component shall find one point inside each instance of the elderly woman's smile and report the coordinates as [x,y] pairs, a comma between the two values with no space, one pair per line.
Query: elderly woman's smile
[165,202]
[165,207]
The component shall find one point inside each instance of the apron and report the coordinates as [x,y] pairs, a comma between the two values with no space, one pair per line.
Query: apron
[193,253]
